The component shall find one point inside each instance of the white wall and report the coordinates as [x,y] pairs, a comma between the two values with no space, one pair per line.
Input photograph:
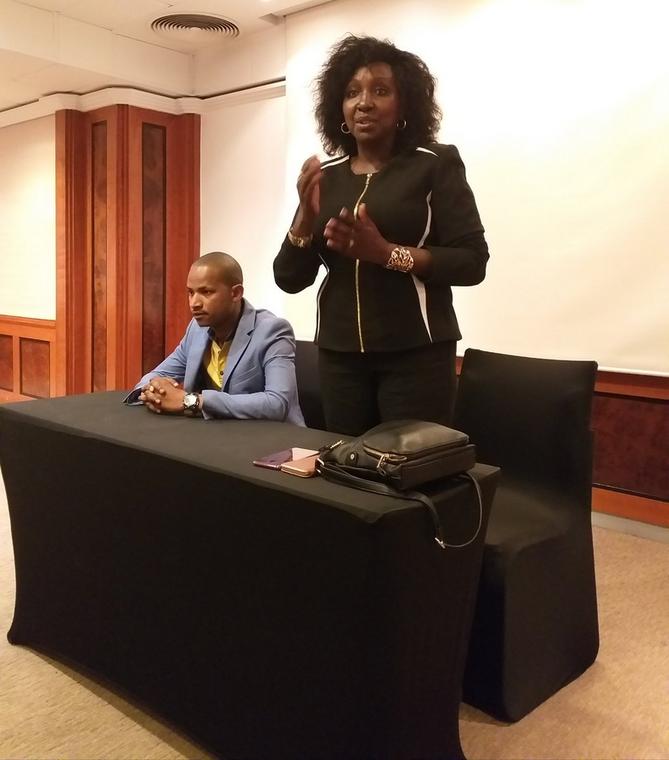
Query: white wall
[244,62]
[243,171]
[561,113]
[28,219]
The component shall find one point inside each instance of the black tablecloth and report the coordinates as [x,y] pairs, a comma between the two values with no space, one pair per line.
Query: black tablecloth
[268,616]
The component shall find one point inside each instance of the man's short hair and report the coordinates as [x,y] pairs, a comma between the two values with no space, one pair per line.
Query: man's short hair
[227,266]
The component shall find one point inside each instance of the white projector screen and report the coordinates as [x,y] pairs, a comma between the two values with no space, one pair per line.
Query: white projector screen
[560,110]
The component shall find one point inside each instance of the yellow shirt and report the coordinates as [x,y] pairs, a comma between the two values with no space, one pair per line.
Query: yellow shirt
[215,364]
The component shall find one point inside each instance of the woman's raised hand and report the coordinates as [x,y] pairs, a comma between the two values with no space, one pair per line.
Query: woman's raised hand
[357,238]
[308,190]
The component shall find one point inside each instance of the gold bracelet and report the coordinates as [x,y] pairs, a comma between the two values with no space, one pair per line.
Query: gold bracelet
[400,259]
[300,241]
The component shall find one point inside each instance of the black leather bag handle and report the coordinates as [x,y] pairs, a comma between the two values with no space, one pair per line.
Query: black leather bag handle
[337,474]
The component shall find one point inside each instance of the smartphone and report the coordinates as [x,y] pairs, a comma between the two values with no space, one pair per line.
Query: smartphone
[278,458]
[303,468]
[275,460]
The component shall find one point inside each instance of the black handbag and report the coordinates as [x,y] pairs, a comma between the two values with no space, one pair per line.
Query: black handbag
[395,457]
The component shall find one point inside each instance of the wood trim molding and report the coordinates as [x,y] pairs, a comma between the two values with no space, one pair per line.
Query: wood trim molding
[117,240]
[630,506]
[112,96]
[25,328]
[628,384]
[119,235]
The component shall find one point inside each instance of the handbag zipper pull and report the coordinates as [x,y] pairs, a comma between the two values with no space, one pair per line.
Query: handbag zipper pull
[329,446]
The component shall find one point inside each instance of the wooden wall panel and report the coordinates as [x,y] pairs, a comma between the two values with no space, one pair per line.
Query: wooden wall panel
[99,255]
[181,227]
[153,244]
[35,369]
[183,220]
[632,445]
[127,183]
[122,263]
[27,358]
[72,269]
[6,363]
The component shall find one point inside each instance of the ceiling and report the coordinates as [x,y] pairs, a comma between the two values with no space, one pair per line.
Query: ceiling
[79,46]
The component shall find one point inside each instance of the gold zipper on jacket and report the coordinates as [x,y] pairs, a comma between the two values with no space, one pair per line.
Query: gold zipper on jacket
[357,267]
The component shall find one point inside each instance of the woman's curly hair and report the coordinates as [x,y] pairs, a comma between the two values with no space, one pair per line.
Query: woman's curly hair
[414,82]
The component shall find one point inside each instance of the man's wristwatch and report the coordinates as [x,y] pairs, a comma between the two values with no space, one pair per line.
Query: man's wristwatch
[191,404]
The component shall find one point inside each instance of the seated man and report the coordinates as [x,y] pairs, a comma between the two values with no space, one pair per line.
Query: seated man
[234,361]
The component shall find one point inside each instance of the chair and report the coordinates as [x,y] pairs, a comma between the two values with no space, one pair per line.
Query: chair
[535,625]
[308,383]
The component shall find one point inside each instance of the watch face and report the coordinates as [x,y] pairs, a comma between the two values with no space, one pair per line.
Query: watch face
[190,401]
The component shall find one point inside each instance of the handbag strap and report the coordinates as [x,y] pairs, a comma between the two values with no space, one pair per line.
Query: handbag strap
[337,474]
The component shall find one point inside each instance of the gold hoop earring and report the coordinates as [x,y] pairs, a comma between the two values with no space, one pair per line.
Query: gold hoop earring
[344,128]
[401,124]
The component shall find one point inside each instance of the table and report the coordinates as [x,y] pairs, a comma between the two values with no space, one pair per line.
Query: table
[265,615]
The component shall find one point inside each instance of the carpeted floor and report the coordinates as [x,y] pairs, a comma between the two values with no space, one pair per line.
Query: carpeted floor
[619,709]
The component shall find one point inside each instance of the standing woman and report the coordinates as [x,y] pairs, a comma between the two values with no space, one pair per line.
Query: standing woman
[395,224]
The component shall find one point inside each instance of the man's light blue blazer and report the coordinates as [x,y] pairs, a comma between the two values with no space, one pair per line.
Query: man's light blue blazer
[259,377]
